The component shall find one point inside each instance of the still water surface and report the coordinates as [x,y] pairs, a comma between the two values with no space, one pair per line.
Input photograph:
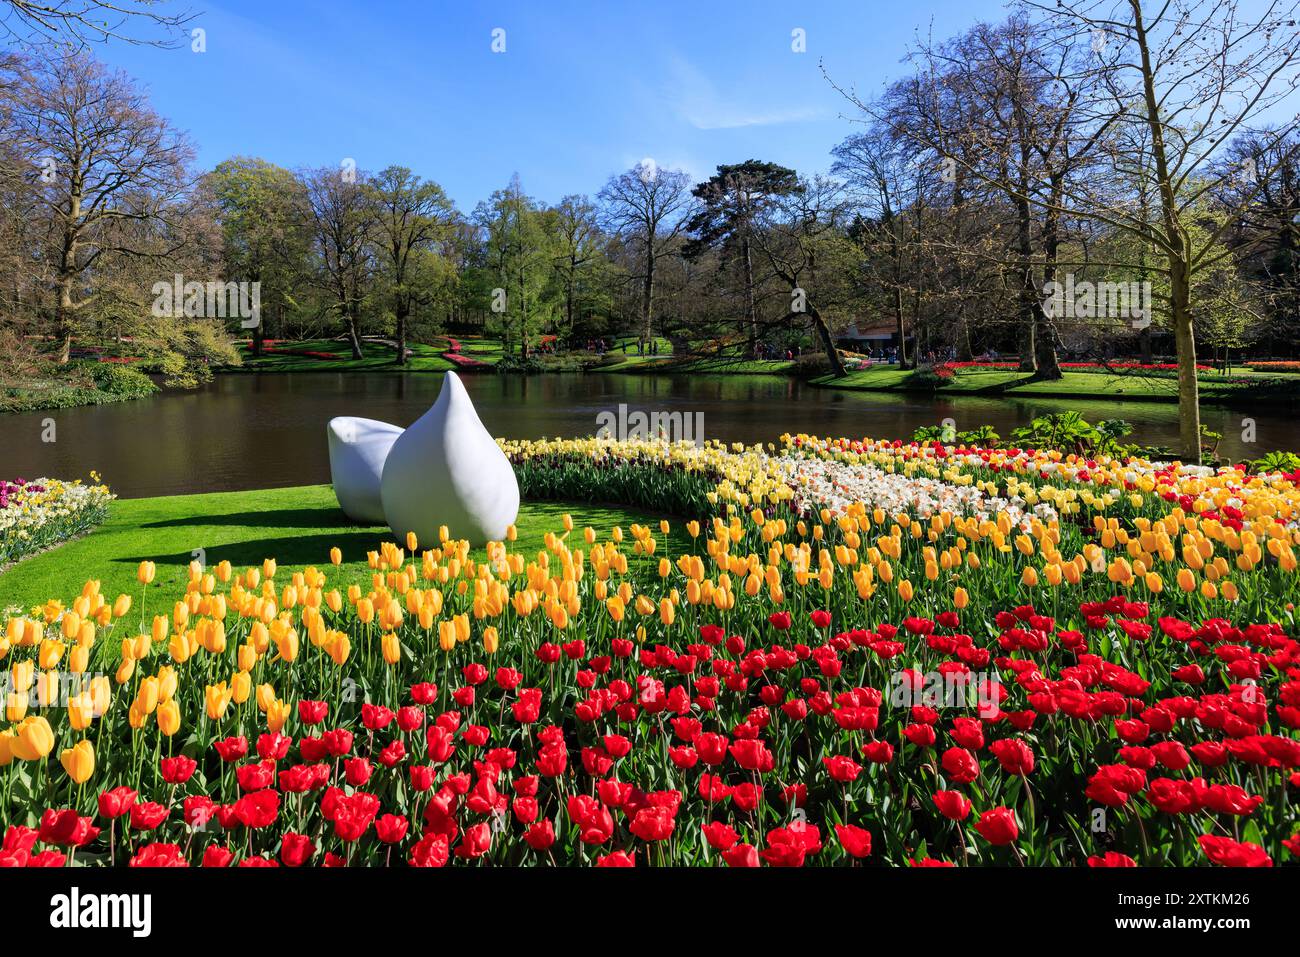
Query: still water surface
[261,430]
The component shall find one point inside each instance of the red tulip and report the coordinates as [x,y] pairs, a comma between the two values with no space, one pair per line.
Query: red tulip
[115,803]
[998,826]
[856,841]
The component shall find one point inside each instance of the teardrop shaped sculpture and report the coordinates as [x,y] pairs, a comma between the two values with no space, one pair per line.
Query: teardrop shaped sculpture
[446,469]
[358,448]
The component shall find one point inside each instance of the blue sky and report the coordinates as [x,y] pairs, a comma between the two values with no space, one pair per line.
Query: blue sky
[582,90]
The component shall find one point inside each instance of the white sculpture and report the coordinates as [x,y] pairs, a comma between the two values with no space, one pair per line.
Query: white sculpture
[358,448]
[446,469]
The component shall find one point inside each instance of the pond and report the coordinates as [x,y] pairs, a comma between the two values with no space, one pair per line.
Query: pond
[261,430]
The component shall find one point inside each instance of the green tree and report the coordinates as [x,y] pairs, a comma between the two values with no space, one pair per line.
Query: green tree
[518,251]
[414,221]
[580,255]
[733,199]
[263,210]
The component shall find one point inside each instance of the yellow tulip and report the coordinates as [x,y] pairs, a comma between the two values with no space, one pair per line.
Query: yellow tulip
[277,714]
[16,705]
[79,761]
[491,641]
[241,686]
[147,696]
[50,654]
[391,648]
[101,692]
[169,718]
[145,572]
[666,612]
[33,739]
[81,711]
[217,699]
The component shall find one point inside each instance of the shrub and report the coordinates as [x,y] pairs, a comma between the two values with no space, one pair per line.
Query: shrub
[930,377]
[122,381]
[811,364]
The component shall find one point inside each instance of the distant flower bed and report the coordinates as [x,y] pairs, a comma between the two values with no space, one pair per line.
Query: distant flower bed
[273,345]
[1082,366]
[43,512]
[455,356]
[1285,366]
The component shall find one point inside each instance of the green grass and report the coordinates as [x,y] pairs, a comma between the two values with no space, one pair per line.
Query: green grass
[702,365]
[295,526]
[1135,385]
[377,358]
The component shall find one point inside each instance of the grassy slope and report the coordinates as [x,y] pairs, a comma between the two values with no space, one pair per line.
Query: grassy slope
[1091,384]
[669,364]
[295,526]
[377,358]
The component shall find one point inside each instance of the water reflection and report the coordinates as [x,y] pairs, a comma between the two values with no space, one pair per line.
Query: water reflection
[266,430]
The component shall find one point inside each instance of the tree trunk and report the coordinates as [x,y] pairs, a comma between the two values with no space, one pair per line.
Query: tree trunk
[828,342]
[648,291]
[1045,338]
[63,320]
[64,304]
[751,314]
[354,340]
[1189,409]
[1029,305]
[401,335]
[1180,280]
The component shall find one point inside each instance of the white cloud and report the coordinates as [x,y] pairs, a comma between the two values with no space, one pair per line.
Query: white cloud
[697,101]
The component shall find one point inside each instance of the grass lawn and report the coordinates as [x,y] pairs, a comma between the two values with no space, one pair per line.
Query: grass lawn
[1135,385]
[288,356]
[705,365]
[295,526]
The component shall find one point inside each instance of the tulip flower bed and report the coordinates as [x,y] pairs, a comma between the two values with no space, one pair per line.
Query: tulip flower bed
[42,512]
[859,653]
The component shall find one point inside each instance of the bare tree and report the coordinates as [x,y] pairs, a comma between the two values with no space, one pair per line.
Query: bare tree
[580,246]
[802,235]
[343,221]
[99,156]
[73,24]
[647,207]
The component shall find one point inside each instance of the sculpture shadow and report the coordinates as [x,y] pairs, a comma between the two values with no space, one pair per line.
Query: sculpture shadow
[268,518]
[298,551]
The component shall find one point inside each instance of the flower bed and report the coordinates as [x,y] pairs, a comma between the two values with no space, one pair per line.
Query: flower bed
[459,358]
[37,514]
[1123,366]
[866,652]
